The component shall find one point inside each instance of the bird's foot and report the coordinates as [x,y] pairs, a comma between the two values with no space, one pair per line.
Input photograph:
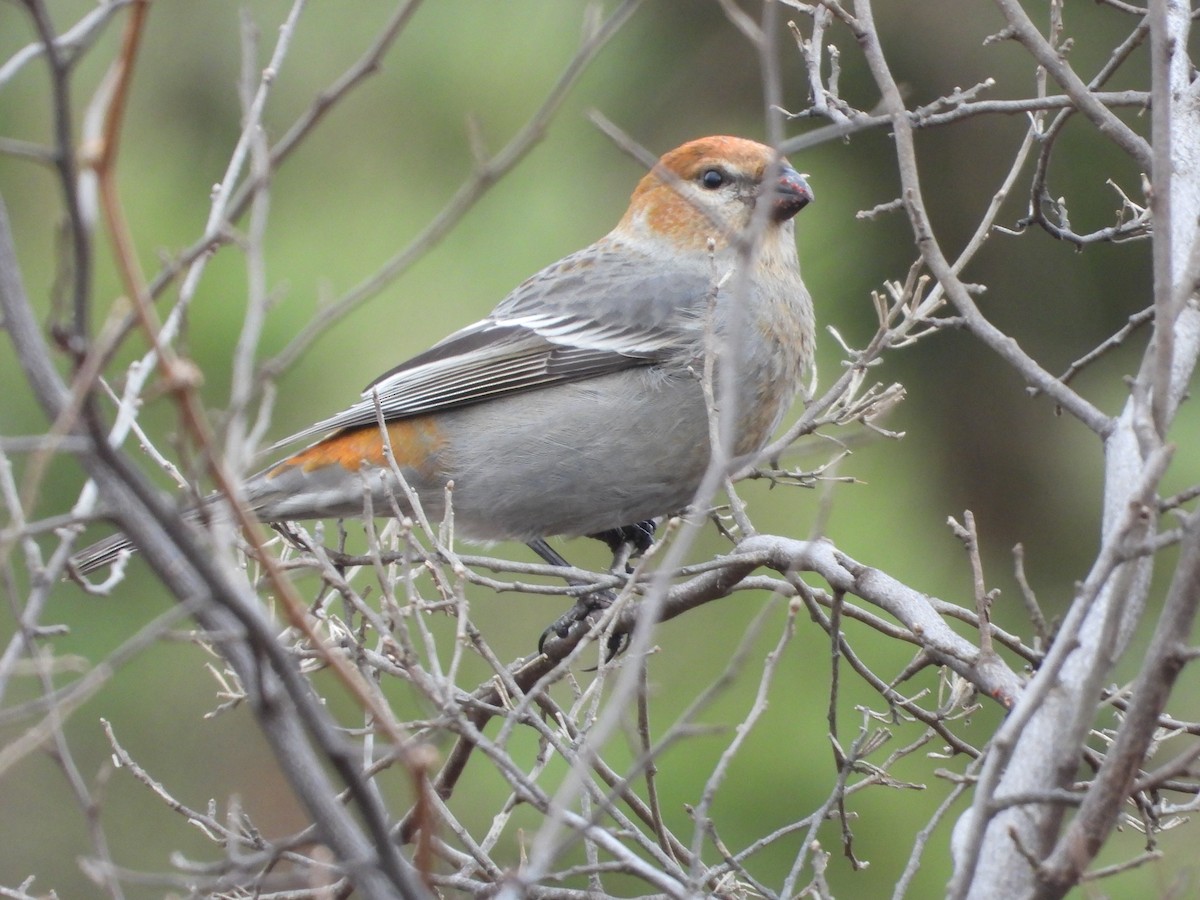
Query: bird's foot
[580,619]
[628,541]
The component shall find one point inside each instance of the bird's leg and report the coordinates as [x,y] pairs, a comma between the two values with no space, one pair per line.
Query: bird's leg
[288,532]
[548,553]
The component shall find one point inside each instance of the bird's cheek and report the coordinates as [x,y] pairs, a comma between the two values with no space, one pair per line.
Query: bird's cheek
[680,223]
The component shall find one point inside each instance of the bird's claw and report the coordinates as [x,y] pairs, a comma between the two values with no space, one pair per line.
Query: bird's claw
[580,619]
[628,541]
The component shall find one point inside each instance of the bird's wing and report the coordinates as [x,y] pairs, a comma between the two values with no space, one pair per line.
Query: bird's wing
[570,321]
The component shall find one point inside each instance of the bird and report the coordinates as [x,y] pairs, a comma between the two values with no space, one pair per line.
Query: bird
[577,406]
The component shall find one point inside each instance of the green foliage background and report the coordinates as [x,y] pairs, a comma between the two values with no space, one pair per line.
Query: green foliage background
[376,172]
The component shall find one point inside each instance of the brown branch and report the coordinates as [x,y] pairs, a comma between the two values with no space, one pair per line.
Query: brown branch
[236,197]
[292,721]
[983,599]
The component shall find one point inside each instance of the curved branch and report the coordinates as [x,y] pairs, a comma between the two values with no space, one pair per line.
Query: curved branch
[988,672]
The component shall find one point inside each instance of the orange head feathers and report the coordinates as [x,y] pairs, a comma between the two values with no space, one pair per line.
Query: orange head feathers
[710,188]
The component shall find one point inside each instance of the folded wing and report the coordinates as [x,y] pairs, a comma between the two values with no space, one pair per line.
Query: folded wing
[551,329]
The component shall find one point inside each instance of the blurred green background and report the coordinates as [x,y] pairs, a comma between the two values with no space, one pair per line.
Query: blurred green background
[374,174]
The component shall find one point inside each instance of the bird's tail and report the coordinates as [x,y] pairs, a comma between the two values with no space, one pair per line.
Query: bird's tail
[102,553]
[105,552]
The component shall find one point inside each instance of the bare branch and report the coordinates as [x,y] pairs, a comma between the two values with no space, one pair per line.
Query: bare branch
[1049,58]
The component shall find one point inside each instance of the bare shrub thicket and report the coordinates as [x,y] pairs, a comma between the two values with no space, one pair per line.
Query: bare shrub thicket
[425,759]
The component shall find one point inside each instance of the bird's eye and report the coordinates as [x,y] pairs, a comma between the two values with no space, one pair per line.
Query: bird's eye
[713,179]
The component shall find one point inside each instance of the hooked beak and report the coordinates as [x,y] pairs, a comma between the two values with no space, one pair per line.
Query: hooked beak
[790,194]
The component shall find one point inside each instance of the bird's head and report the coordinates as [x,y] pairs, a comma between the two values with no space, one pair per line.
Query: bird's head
[710,188]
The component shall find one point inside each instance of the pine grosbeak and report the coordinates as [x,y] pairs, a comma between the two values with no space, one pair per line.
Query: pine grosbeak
[576,407]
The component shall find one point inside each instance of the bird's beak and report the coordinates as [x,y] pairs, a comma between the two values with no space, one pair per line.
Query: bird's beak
[790,195]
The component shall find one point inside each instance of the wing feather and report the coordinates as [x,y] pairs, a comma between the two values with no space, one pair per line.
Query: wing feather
[556,327]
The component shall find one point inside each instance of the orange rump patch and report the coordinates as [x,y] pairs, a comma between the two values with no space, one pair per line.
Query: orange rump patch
[415,443]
